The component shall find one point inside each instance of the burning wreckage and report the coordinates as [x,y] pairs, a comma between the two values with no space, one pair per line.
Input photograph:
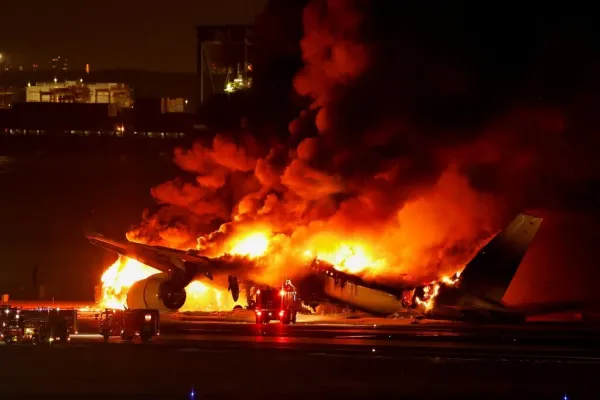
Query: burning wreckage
[374,204]
[473,294]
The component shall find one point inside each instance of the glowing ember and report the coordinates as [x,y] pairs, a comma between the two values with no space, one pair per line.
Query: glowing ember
[253,245]
[430,292]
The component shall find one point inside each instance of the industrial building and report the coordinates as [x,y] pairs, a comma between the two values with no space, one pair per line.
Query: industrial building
[118,94]
[173,105]
[8,97]
[224,59]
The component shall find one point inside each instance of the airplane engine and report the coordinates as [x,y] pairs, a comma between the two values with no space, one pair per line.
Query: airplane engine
[156,292]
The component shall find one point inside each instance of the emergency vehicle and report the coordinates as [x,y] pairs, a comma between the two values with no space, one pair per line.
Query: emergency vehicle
[276,305]
[130,324]
[35,326]
[70,315]
[12,325]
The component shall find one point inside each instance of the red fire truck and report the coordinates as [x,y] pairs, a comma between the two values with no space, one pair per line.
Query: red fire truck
[276,304]
[130,324]
[35,326]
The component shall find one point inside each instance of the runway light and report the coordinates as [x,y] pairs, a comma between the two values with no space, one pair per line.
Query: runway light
[192,393]
[373,350]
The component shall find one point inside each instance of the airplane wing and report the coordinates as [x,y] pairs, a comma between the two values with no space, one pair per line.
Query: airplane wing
[181,266]
[177,263]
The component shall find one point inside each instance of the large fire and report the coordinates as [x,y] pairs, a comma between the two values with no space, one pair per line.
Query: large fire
[124,272]
[351,258]
[361,185]
[201,296]
[252,245]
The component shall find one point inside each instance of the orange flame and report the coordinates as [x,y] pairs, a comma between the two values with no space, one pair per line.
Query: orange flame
[118,278]
[431,291]
[124,272]
[253,245]
[349,257]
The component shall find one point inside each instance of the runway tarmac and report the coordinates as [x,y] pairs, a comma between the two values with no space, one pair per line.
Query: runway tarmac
[225,360]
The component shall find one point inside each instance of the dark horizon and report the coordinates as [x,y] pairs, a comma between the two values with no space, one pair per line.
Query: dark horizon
[154,37]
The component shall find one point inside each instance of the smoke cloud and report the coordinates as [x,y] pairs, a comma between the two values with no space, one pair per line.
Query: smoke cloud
[424,131]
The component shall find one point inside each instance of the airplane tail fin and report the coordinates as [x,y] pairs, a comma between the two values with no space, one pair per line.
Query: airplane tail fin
[491,271]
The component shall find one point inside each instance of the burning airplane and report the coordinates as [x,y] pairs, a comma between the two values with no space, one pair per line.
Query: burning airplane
[475,294]
[376,187]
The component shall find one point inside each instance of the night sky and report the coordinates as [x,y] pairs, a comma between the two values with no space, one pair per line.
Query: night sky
[154,35]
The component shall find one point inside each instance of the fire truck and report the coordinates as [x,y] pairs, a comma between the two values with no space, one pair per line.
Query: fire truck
[12,325]
[35,326]
[70,316]
[129,324]
[279,305]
